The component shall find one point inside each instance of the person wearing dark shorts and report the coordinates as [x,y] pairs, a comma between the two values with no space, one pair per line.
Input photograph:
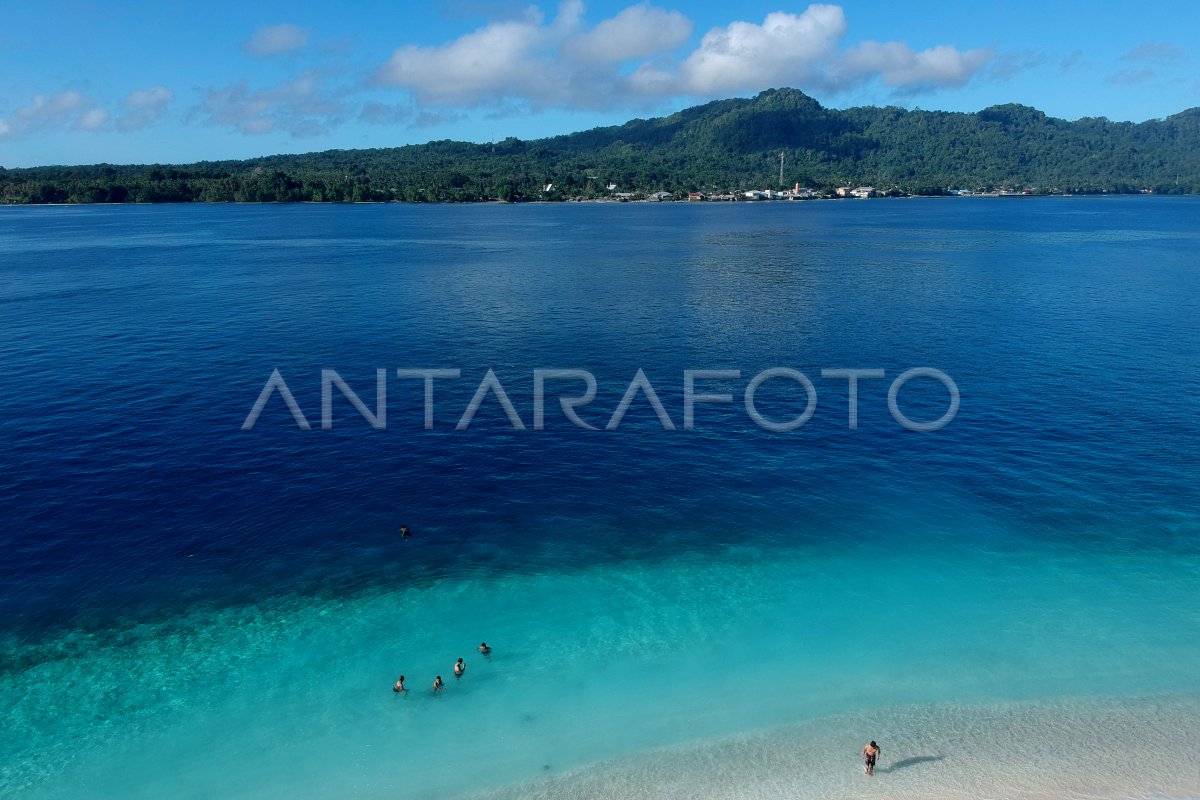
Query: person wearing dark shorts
[870,752]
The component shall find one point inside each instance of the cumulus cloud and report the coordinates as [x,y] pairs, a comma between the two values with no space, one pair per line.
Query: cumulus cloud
[899,66]
[275,39]
[57,108]
[627,60]
[637,32]
[92,120]
[499,60]
[64,110]
[71,110]
[143,107]
[804,50]
[303,106]
[786,49]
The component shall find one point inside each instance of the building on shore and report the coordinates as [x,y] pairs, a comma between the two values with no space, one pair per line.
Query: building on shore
[799,192]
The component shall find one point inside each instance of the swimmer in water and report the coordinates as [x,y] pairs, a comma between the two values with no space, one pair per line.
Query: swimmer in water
[437,684]
[399,687]
[405,532]
[484,649]
[460,667]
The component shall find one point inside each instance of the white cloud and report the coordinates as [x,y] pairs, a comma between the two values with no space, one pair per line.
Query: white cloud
[303,106]
[637,32]
[71,110]
[141,108]
[786,49]
[497,61]
[64,110]
[92,119]
[625,60]
[898,65]
[275,39]
[56,108]
[802,50]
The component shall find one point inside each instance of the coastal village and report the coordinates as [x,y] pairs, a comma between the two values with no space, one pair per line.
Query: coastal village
[797,192]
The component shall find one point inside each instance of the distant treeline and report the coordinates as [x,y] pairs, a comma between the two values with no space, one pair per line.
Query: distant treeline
[727,145]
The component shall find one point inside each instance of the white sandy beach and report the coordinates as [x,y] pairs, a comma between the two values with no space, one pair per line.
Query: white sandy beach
[1098,750]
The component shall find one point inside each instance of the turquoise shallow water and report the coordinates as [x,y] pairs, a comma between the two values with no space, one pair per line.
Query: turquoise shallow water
[189,609]
[293,700]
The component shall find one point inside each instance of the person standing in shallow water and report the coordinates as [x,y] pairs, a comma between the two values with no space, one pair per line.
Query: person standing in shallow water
[399,687]
[484,649]
[870,752]
[437,684]
[460,667]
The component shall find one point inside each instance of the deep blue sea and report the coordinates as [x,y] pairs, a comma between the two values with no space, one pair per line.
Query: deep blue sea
[192,609]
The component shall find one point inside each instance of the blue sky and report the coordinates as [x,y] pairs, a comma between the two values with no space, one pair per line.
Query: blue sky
[129,81]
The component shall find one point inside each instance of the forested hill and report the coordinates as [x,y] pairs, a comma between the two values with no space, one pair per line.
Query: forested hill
[722,146]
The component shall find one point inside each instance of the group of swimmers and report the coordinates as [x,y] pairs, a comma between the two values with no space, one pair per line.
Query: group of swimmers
[460,669]
[870,751]
[460,666]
